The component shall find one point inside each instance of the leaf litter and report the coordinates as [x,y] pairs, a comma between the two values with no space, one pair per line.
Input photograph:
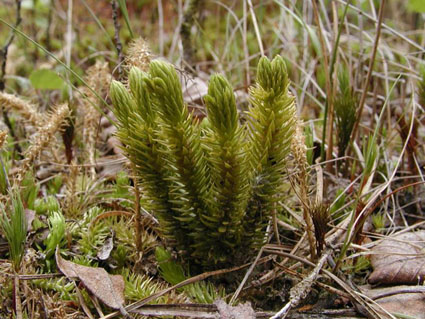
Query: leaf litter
[108,288]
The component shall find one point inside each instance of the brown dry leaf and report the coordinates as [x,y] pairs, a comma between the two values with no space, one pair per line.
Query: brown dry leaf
[108,288]
[399,259]
[399,300]
[105,251]
[29,215]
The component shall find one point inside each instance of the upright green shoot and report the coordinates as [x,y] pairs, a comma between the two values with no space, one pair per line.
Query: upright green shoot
[14,228]
[345,111]
[271,127]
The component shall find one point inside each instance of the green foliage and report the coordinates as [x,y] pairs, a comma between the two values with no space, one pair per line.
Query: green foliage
[371,155]
[271,127]
[121,190]
[4,171]
[416,6]
[225,144]
[138,287]
[378,221]
[14,228]
[212,185]
[183,159]
[345,105]
[65,290]
[29,190]
[309,143]
[173,273]
[123,8]
[56,237]
[120,255]
[91,235]
[338,204]
[46,205]
[44,79]
[124,237]
[55,184]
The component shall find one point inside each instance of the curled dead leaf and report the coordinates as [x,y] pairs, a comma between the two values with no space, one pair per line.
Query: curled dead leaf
[105,251]
[399,259]
[108,288]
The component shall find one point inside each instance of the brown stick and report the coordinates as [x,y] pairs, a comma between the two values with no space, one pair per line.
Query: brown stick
[118,43]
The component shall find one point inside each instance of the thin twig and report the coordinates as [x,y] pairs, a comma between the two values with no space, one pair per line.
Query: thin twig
[302,289]
[328,105]
[353,295]
[185,34]
[68,39]
[9,41]
[17,299]
[137,216]
[369,71]
[256,28]
[161,27]
[3,56]
[118,44]
[248,273]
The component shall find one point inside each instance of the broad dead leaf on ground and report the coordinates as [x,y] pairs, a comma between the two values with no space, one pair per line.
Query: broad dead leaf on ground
[108,288]
[399,259]
[29,215]
[399,300]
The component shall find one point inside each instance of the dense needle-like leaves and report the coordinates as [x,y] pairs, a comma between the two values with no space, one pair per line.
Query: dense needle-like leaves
[271,127]
[14,228]
[225,144]
[212,186]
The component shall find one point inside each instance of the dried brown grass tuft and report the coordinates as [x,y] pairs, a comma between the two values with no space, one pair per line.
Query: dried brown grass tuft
[98,78]
[138,55]
[42,138]
[25,109]
[301,182]
[3,136]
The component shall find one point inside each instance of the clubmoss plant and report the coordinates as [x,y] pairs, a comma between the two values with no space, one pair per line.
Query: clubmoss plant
[272,123]
[56,237]
[212,186]
[139,286]
[173,273]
